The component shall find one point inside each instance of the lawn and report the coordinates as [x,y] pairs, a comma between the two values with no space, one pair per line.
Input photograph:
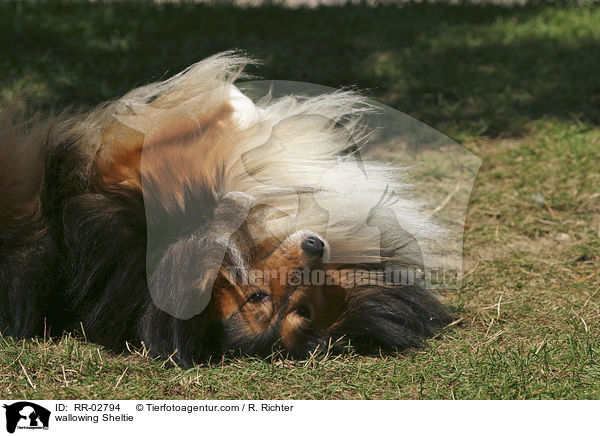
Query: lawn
[517,85]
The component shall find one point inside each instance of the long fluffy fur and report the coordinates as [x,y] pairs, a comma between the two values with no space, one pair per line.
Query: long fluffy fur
[74,203]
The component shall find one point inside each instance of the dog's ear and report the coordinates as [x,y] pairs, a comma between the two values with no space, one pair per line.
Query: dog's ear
[393,317]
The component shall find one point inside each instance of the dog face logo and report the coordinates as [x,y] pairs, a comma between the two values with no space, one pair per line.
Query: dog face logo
[286,187]
[26,415]
[316,188]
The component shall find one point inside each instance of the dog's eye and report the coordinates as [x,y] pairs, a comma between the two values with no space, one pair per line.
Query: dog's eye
[258,297]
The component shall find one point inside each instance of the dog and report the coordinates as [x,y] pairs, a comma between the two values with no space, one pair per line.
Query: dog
[146,220]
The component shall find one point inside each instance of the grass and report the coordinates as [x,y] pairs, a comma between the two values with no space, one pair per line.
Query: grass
[516,85]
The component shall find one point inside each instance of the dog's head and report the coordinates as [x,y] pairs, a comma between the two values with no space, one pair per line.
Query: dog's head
[282,300]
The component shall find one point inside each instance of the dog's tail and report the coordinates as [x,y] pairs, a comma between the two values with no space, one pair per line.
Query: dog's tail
[26,247]
[23,141]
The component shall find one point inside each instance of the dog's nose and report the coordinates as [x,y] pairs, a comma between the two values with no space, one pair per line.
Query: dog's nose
[313,246]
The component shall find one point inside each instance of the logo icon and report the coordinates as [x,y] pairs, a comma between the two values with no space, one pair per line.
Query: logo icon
[388,190]
[26,415]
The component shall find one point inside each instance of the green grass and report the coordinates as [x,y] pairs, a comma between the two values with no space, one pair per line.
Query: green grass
[516,85]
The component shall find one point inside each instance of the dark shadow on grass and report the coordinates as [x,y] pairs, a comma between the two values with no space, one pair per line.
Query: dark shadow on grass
[474,69]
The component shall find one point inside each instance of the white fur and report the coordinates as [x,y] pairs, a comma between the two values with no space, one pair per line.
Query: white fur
[292,146]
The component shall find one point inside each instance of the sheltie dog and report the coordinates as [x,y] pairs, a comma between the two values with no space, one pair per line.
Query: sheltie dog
[147,219]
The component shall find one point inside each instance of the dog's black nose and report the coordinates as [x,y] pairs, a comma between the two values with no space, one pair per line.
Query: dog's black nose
[313,246]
